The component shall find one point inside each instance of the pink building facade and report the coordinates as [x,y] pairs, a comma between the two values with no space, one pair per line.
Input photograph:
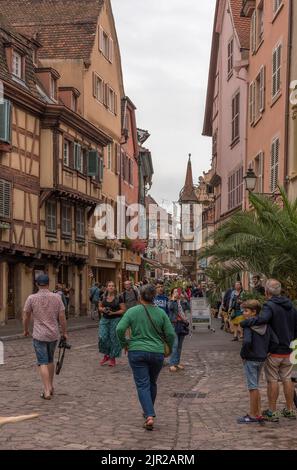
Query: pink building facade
[226,106]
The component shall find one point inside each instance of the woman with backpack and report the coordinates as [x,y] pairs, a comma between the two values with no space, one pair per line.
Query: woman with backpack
[112,308]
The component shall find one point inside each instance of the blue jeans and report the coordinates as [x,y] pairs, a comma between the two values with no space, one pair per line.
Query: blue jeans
[45,351]
[176,350]
[146,367]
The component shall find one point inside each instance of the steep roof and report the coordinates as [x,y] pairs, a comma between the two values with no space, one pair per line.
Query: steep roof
[241,24]
[8,34]
[188,194]
[66,28]
[242,29]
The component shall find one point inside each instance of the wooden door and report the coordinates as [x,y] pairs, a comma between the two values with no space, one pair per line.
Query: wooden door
[11,292]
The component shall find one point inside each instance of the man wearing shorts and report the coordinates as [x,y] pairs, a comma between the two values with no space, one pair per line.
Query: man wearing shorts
[47,311]
[280,314]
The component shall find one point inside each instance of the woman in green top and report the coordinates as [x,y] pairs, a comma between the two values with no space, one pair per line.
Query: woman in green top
[146,348]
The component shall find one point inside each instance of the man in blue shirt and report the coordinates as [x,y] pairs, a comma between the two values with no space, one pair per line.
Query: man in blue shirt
[161,300]
[94,299]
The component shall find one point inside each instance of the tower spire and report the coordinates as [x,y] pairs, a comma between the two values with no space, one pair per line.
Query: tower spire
[188,194]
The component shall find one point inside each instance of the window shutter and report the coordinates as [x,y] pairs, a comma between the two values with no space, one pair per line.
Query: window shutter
[71,154]
[5,198]
[5,121]
[115,103]
[101,169]
[101,39]
[94,85]
[106,95]
[93,163]
[262,89]
[110,50]
[131,172]
[254,32]
[274,164]
[118,159]
[252,102]
[276,70]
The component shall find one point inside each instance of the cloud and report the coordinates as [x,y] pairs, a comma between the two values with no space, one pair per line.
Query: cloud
[165,48]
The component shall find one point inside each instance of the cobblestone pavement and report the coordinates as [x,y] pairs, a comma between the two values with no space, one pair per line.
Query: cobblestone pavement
[96,407]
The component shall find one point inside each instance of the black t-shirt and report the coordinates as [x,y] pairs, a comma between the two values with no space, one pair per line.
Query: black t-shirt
[113,306]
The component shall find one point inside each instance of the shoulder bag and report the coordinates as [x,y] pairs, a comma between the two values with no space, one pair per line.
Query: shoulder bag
[167,348]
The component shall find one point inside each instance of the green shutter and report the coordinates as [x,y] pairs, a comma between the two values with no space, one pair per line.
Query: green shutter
[93,163]
[5,121]
[5,195]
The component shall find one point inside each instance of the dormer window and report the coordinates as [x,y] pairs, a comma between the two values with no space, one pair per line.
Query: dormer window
[69,97]
[17,65]
[49,79]
[53,90]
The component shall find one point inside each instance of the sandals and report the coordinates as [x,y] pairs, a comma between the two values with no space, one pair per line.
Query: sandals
[149,423]
[173,368]
[45,397]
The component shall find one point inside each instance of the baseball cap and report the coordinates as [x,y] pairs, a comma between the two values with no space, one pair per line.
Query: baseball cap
[42,280]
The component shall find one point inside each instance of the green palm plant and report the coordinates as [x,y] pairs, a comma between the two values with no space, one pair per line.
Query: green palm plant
[262,240]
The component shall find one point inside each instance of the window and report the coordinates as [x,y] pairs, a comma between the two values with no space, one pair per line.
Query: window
[109,156]
[78,157]
[98,88]
[131,168]
[51,216]
[5,198]
[105,44]
[235,189]
[275,149]
[5,121]
[276,70]
[53,90]
[257,97]
[93,163]
[80,223]
[260,22]
[235,117]
[17,65]
[118,158]
[66,153]
[276,5]
[111,100]
[74,102]
[254,32]
[259,171]
[230,57]
[66,220]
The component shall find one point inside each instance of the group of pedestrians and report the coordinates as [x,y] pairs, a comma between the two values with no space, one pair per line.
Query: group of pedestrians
[267,332]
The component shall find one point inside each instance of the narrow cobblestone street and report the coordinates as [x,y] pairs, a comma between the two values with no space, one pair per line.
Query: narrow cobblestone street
[97,408]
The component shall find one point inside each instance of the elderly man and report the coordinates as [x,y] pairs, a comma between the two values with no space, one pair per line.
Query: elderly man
[47,311]
[278,311]
[130,296]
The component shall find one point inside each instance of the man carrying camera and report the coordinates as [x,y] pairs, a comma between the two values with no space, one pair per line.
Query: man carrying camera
[47,311]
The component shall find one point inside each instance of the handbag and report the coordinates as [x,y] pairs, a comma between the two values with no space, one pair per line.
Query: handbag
[167,348]
[182,328]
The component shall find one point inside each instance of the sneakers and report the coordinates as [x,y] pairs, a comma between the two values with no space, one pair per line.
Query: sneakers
[248,419]
[271,416]
[289,414]
[104,360]
[112,362]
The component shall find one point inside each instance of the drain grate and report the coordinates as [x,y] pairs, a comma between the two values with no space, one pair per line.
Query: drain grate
[189,395]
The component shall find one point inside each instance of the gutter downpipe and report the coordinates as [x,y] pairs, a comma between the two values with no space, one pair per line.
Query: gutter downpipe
[287,112]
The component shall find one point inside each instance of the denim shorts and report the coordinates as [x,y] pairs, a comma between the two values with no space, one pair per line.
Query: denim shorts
[45,351]
[253,371]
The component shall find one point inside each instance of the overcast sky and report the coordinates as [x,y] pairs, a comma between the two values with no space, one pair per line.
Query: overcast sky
[165,48]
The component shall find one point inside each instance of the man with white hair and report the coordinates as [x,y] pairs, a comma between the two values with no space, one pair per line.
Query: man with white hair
[279,312]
